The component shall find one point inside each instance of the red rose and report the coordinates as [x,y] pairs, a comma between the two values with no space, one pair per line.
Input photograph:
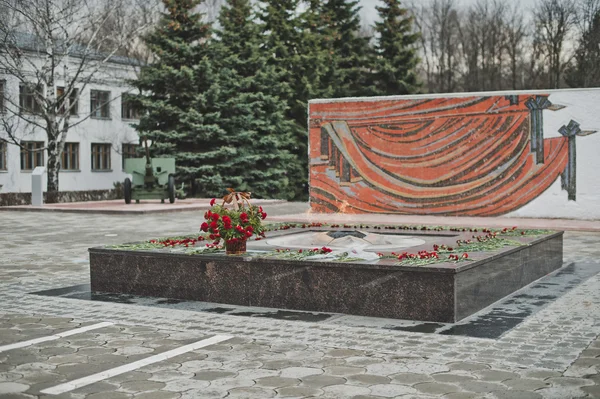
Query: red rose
[207,215]
[213,225]
[215,216]
[465,255]
[204,227]
[250,229]
[212,201]
[226,219]
[263,215]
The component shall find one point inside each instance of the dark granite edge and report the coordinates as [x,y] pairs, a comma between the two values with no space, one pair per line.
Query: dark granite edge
[267,261]
[507,251]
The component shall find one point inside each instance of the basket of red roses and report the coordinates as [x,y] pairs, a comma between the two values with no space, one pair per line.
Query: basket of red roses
[234,224]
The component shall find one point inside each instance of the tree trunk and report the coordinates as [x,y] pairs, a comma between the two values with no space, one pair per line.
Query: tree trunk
[53,167]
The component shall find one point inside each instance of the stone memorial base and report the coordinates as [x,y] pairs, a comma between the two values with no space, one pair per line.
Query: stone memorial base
[443,292]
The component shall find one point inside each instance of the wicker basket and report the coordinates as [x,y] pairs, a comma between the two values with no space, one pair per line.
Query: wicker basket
[236,247]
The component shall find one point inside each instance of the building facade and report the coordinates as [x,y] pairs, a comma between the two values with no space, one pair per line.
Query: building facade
[101,138]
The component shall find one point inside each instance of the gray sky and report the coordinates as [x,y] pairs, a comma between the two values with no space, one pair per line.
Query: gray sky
[368,12]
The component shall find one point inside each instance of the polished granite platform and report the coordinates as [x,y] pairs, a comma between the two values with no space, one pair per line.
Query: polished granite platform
[442,292]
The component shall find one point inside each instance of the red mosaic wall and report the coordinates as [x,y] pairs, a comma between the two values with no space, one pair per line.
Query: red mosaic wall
[476,156]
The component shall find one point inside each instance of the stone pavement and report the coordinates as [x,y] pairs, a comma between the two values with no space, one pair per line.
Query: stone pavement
[119,207]
[555,353]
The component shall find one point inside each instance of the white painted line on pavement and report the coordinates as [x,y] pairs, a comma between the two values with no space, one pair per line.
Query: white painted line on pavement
[54,336]
[82,382]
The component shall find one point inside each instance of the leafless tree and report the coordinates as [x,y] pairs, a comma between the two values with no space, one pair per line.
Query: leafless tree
[516,36]
[554,21]
[438,22]
[62,51]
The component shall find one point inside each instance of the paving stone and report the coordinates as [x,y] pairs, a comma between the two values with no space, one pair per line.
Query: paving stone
[569,381]
[277,382]
[540,374]
[298,392]
[251,392]
[94,351]
[436,388]
[210,375]
[10,377]
[320,381]
[363,360]
[591,352]
[344,353]
[12,387]
[524,384]
[462,395]
[158,395]
[142,386]
[281,364]
[19,396]
[512,394]
[561,392]
[300,372]
[131,376]
[467,366]
[391,390]
[100,386]
[184,385]
[345,391]
[109,395]
[410,378]
[367,379]
[481,386]
[593,390]
[344,370]
[450,377]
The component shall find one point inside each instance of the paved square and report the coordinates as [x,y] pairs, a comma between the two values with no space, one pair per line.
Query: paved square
[553,353]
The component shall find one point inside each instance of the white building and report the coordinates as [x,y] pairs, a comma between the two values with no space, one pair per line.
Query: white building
[95,148]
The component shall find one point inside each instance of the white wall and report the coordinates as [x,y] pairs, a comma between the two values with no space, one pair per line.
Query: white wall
[582,106]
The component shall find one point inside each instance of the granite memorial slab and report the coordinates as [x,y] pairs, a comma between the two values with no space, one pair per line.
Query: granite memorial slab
[371,286]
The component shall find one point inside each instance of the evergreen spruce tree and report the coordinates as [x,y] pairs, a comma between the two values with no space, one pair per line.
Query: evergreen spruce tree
[397,59]
[252,115]
[312,62]
[281,45]
[176,97]
[351,58]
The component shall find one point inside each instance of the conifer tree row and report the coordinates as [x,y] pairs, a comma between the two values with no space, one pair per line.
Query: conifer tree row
[231,105]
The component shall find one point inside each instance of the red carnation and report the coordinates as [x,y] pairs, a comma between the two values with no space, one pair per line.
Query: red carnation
[465,255]
[207,215]
[263,215]
[250,229]
[212,201]
[204,227]
[213,225]
[215,216]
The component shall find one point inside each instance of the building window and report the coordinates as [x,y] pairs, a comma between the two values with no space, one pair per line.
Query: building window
[73,101]
[2,89]
[27,103]
[129,151]
[70,157]
[3,148]
[128,109]
[101,156]
[99,104]
[32,154]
